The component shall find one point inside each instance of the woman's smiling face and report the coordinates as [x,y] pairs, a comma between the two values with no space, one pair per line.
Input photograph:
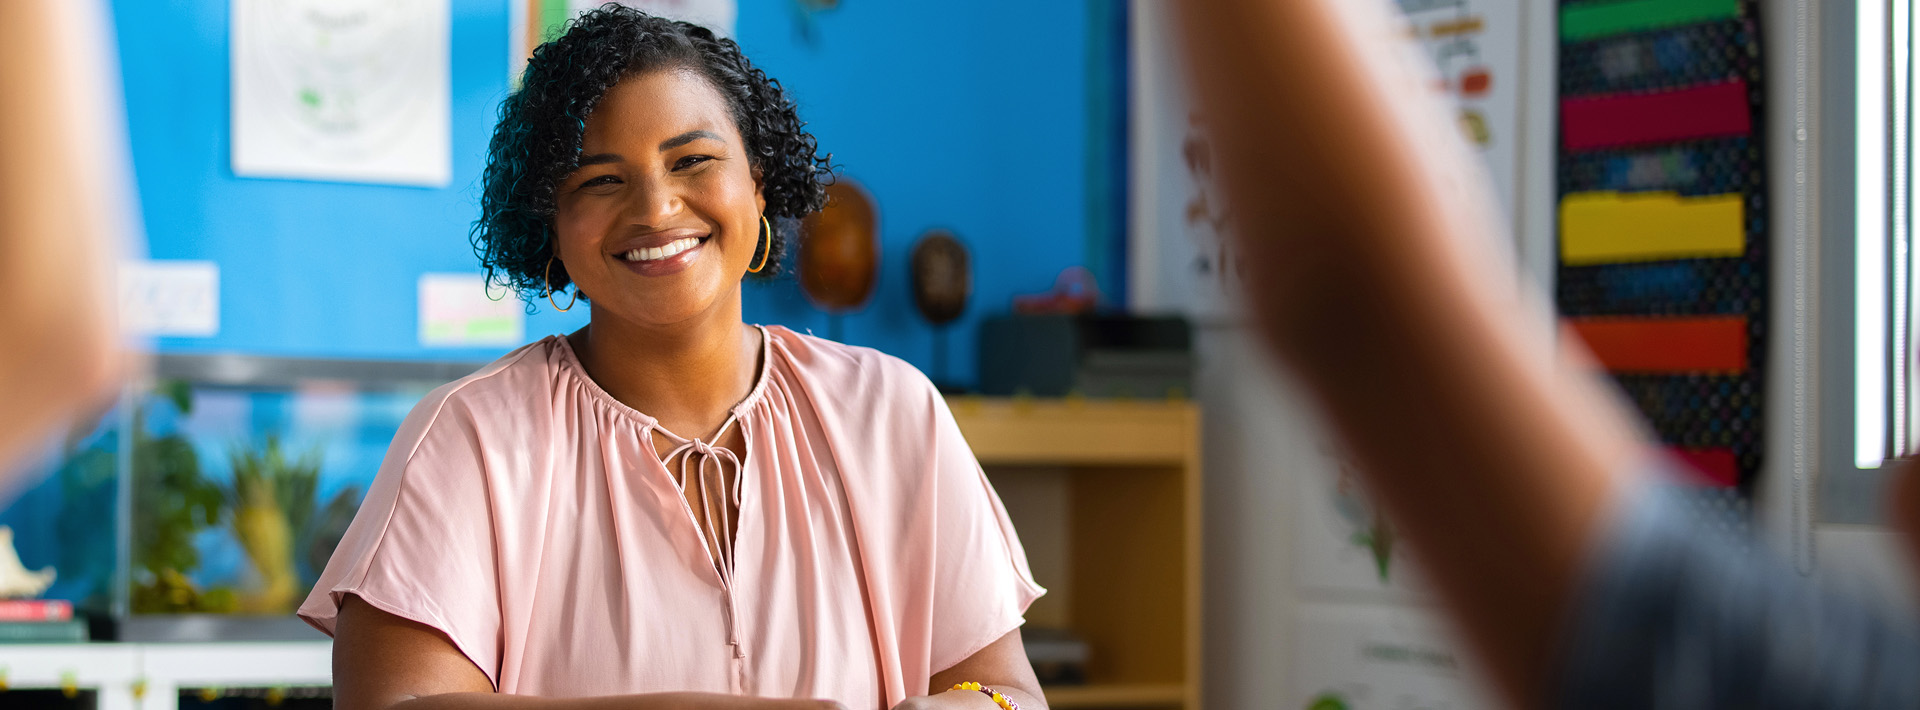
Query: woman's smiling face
[662,218]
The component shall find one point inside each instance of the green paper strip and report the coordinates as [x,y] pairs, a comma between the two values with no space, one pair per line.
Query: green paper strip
[1593,20]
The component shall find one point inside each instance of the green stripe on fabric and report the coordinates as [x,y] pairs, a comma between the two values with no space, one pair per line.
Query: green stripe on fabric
[1593,20]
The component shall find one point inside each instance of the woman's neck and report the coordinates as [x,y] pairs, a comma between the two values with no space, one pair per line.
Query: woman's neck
[687,375]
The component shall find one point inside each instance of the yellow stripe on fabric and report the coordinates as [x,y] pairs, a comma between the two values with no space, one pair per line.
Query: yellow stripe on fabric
[1613,227]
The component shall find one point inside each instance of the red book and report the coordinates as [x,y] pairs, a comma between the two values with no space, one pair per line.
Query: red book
[35,610]
[1718,110]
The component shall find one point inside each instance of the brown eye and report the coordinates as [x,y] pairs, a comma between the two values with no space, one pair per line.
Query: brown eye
[600,181]
[691,161]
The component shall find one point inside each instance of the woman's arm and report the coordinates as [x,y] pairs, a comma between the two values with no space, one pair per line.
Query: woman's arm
[59,193]
[1367,242]
[1002,666]
[384,662]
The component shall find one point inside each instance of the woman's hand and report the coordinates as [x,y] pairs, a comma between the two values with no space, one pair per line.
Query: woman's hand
[950,700]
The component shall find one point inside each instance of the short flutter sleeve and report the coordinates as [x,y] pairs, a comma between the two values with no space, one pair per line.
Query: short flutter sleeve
[944,573]
[423,545]
[982,585]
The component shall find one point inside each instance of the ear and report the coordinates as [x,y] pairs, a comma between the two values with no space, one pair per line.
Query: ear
[760,189]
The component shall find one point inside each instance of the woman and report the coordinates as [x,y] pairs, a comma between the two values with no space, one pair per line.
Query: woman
[670,508]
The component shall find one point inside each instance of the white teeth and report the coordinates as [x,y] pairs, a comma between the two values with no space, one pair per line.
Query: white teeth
[661,252]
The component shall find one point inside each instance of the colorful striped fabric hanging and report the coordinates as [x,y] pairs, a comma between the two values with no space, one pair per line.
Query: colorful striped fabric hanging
[1663,218]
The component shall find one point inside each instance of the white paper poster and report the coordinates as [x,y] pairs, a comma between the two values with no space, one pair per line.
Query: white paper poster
[170,298]
[1353,657]
[1178,262]
[457,311]
[346,90]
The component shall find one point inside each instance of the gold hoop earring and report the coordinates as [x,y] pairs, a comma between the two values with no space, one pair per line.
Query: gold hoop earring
[547,279]
[769,249]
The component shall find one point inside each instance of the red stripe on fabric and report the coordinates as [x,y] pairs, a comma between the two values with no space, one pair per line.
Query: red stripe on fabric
[1666,345]
[1716,110]
[1716,466]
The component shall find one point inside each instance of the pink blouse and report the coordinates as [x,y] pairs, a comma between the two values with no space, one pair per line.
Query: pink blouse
[526,514]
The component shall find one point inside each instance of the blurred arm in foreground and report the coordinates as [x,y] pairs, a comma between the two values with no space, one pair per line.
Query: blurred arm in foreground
[61,197]
[1367,243]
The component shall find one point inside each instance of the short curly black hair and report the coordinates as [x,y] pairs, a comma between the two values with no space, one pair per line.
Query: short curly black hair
[536,144]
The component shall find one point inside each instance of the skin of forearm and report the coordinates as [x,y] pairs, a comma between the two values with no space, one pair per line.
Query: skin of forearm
[57,189]
[1368,246]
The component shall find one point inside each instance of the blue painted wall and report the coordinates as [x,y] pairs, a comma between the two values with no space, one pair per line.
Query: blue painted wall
[967,116]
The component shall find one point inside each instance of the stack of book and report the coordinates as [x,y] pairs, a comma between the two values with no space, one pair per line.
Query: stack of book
[40,621]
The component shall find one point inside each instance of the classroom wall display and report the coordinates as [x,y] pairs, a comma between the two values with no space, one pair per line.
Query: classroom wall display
[342,90]
[530,22]
[1663,249]
[1177,260]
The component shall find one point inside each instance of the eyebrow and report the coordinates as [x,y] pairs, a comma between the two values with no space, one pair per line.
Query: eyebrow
[688,137]
[665,145]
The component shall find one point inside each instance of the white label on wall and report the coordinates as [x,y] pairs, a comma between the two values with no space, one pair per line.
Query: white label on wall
[170,297]
[457,311]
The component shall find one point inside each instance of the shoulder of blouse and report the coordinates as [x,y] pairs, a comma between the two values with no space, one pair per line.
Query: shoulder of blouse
[501,389]
[854,375]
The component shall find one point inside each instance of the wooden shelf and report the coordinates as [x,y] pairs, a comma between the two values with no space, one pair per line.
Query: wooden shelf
[1106,497]
[1078,431]
[1116,696]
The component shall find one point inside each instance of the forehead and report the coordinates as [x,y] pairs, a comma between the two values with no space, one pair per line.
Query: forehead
[651,107]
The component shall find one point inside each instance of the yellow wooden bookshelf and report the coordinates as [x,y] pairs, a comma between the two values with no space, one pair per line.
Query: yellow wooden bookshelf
[1106,497]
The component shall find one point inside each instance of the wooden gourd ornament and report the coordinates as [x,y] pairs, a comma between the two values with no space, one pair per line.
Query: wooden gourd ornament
[839,257]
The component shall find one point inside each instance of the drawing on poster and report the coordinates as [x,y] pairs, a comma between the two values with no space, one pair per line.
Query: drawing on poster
[1475,46]
[347,90]
[1370,529]
[1350,657]
[1343,542]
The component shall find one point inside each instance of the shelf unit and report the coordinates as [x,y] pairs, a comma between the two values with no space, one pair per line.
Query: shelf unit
[1106,497]
[150,676]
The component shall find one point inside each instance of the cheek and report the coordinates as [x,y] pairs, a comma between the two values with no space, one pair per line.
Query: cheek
[578,227]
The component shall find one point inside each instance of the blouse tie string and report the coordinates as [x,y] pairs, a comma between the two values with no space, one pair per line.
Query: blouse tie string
[709,466]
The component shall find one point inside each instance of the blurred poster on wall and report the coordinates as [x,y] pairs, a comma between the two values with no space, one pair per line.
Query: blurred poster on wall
[1350,657]
[535,21]
[456,310]
[1178,261]
[1476,46]
[344,90]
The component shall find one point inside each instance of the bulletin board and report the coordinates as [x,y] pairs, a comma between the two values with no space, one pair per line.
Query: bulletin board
[1663,234]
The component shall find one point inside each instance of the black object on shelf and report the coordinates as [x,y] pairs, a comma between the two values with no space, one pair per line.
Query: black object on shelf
[1059,656]
[1090,355]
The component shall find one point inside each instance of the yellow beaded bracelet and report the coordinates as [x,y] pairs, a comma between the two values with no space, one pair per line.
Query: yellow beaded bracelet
[999,698]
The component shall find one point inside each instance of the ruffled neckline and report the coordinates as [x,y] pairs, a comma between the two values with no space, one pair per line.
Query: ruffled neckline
[570,365]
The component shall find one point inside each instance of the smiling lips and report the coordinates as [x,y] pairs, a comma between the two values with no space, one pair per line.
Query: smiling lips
[665,260]
[664,251]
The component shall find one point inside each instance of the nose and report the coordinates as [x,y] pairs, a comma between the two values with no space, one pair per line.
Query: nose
[652,202]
